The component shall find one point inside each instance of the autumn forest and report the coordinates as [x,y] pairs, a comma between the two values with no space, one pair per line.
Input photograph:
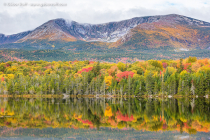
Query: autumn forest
[182,77]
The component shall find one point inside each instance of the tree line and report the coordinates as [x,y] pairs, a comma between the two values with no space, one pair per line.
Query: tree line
[186,77]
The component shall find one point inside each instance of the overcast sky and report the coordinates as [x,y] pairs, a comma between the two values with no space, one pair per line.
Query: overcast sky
[15,18]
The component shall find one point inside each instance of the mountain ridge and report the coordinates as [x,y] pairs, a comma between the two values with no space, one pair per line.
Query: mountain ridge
[150,31]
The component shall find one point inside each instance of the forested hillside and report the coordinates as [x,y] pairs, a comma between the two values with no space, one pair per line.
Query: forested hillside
[99,54]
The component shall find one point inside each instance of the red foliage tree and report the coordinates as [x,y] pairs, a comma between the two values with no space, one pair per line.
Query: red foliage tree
[91,62]
[2,79]
[164,64]
[124,118]
[85,70]
[85,121]
[124,74]
[186,66]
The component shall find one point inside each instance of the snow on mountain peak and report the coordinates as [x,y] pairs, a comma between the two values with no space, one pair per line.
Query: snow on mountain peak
[68,22]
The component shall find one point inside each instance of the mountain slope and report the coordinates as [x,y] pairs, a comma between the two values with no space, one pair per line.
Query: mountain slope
[173,30]
[12,38]
[49,31]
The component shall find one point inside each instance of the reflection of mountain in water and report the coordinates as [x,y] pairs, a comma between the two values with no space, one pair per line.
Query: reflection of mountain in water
[174,117]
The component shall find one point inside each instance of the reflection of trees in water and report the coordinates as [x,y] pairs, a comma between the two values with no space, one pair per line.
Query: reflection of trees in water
[185,114]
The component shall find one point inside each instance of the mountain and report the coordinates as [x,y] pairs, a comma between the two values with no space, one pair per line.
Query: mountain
[173,31]
[12,38]
[109,32]
[50,31]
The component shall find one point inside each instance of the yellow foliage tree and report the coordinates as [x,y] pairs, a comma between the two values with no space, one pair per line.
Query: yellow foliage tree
[77,75]
[171,70]
[204,68]
[10,76]
[108,80]
[183,73]
[108,111]
[195,67]
[121,66]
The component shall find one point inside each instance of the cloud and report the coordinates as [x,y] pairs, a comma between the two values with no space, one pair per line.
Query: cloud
[15,19]
[27,21]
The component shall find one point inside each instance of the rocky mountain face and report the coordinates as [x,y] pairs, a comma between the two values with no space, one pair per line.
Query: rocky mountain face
[171,30]
[108,32]
[152,31]
[50,31]
[12,38]
[59,29]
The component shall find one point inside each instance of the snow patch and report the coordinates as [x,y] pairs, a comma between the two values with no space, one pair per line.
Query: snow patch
[86,24]
[81,30]
[68,22]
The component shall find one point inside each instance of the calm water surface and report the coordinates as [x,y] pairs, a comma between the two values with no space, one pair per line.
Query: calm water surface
[116,118]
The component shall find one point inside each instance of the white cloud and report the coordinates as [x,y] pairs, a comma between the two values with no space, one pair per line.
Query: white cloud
[14,19]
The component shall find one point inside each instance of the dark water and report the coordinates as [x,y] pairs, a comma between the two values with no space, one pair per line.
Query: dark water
[116,118]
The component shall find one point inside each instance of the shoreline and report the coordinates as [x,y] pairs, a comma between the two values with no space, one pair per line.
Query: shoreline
[100,96]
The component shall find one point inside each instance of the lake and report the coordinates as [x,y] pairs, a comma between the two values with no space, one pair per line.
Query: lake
[104,118]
